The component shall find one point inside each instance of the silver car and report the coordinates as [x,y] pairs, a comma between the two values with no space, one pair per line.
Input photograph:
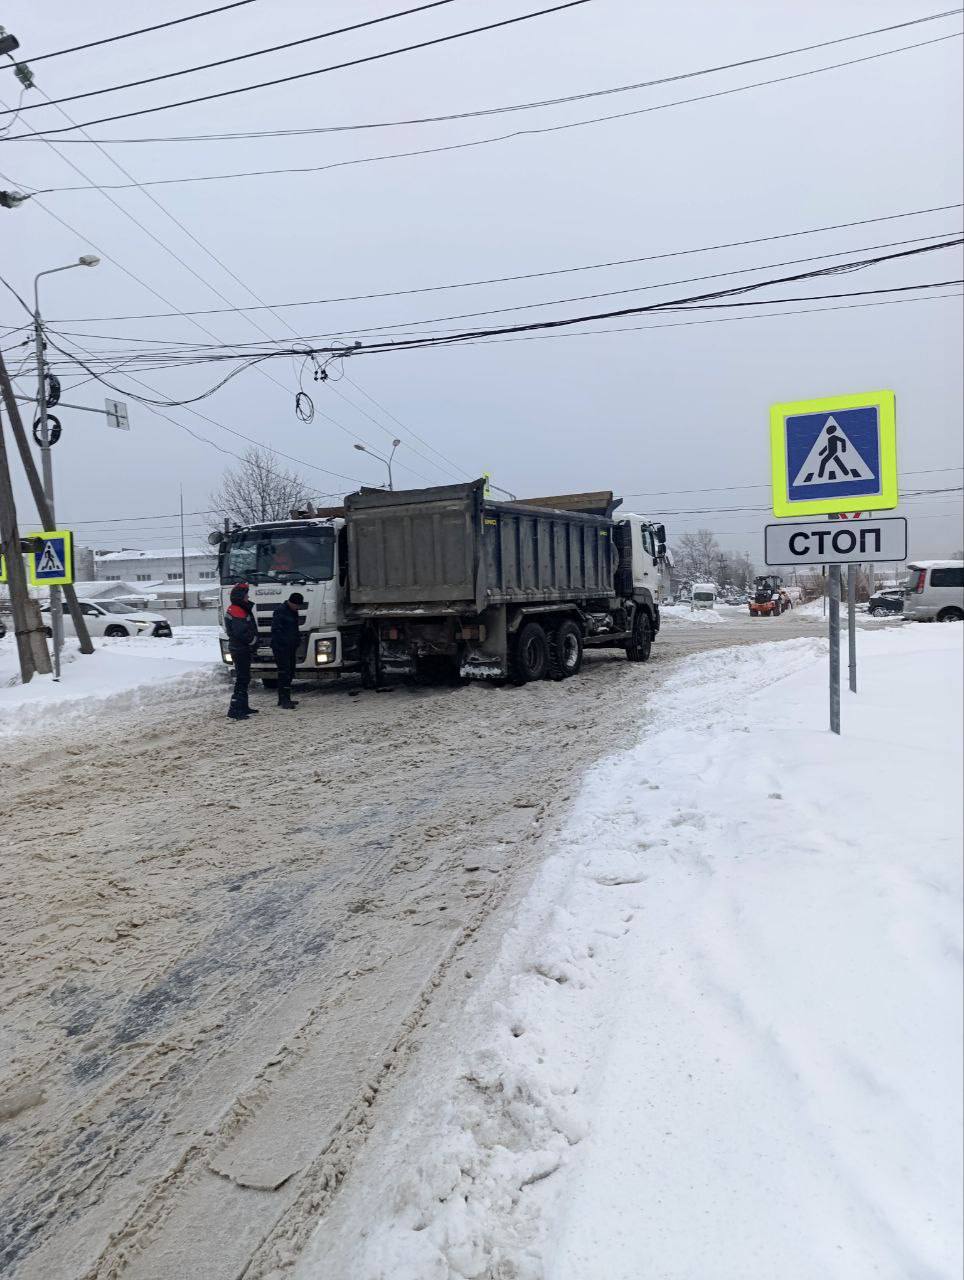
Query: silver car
[934,591]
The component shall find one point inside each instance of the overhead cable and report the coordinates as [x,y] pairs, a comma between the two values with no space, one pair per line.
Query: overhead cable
[536,103]
[242,57]
[339,66]
[528,275]
[534,131]
[126,35]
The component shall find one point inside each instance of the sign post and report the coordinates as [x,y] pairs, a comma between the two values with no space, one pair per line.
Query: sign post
[835,648]
[852,624]
[829,457]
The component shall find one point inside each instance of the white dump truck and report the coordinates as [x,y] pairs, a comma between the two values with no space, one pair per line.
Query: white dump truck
[429,583]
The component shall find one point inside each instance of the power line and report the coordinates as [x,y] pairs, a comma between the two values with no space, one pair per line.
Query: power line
[250,320]
[586,333]
[516,133]
[535,104]
[242,57]
[195,348]
[529,275]
[341,66]
[174,22]
[214,257]
[642,288]
[196,413]
[686,324]
[163,244]
[450,339]
[733,488]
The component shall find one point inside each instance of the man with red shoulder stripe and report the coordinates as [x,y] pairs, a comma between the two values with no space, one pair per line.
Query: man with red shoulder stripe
[242,630]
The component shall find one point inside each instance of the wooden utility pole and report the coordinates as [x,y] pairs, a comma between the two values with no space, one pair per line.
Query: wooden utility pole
[31,643]
[40,498]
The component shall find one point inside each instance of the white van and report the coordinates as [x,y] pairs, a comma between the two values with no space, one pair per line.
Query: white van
[934,591]
[703,595]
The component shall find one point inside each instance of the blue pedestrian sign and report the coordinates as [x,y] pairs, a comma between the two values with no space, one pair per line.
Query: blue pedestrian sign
[834,455]
[51,562]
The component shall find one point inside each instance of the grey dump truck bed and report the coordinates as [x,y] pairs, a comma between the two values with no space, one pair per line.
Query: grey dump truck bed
[450,550]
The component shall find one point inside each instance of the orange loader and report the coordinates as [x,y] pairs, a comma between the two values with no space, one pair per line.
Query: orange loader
[769,597]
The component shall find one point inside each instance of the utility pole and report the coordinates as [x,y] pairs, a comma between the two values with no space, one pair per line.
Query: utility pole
[31,645]
[40,498]
[56,608]
[180,488]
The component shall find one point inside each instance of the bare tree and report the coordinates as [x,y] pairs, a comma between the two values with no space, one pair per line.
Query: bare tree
[259,490]
[696,556]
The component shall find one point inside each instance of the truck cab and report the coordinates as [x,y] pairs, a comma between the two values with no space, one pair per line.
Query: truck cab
[277,558]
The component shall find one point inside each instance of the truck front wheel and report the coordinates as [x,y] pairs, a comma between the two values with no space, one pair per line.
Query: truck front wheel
[565,650]
[530,654]
[641,644]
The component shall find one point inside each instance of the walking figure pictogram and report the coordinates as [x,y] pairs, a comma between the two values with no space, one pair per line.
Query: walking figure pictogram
[833,451]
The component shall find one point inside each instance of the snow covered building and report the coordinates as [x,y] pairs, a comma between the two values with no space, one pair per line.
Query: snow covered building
[157,566]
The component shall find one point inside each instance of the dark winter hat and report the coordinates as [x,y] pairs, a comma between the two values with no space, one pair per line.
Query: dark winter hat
[296,598]
[239,593]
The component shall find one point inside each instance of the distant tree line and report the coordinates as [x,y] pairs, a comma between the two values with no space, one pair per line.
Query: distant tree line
[698,557]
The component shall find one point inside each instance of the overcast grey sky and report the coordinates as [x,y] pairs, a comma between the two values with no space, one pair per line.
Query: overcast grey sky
[646,411]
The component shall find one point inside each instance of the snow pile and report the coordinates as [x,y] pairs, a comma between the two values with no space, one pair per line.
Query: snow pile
[119,673]
[707,617]
[724,1038]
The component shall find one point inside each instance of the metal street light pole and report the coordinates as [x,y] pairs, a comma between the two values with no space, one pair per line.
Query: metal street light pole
[387,461]
[56,606]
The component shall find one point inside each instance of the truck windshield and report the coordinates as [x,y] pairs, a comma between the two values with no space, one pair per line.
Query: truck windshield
[279,555]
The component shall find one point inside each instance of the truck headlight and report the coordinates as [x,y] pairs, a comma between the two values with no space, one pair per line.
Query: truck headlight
[226,653]
[324,652]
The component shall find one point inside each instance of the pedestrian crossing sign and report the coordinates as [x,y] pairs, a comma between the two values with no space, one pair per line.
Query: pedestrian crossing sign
[51,562]
[834,455]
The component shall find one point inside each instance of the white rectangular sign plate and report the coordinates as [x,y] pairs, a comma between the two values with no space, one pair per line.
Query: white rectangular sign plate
[116,412]
[830,542]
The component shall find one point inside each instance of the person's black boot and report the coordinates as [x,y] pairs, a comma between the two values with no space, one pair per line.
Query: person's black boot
[284,701]
[237,713]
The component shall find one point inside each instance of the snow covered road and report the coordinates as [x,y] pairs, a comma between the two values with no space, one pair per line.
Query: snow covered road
[224,944]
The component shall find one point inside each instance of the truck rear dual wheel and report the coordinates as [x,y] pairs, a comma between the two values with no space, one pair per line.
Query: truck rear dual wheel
[565,650]
[530,654]
[641,644]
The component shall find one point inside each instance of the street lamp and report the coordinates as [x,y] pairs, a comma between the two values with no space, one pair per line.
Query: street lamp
[387,461]
[56,606]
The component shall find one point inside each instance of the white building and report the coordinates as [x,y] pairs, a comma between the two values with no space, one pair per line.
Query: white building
[158,567]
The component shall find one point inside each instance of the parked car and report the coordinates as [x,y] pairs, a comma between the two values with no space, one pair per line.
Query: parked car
[934,591]
[887,600]
[112,618]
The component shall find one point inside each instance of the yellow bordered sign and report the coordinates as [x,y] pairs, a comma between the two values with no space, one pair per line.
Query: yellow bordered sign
[835,454]
[3,568]
[51,564]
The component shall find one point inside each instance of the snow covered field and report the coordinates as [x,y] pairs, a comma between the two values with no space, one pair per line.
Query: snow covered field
[117,674]
[723,1037]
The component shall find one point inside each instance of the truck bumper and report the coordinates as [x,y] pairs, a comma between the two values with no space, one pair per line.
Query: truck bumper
[321,653]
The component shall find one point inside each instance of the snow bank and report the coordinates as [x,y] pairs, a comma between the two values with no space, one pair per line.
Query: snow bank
[706,617]
[119,673]
[723,1039]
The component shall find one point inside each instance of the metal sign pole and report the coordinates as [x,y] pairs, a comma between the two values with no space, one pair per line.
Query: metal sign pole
[835,648]
[852,624]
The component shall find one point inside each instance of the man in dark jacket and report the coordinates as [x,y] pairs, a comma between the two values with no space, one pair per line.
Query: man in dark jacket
[242,632]
[284,645]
